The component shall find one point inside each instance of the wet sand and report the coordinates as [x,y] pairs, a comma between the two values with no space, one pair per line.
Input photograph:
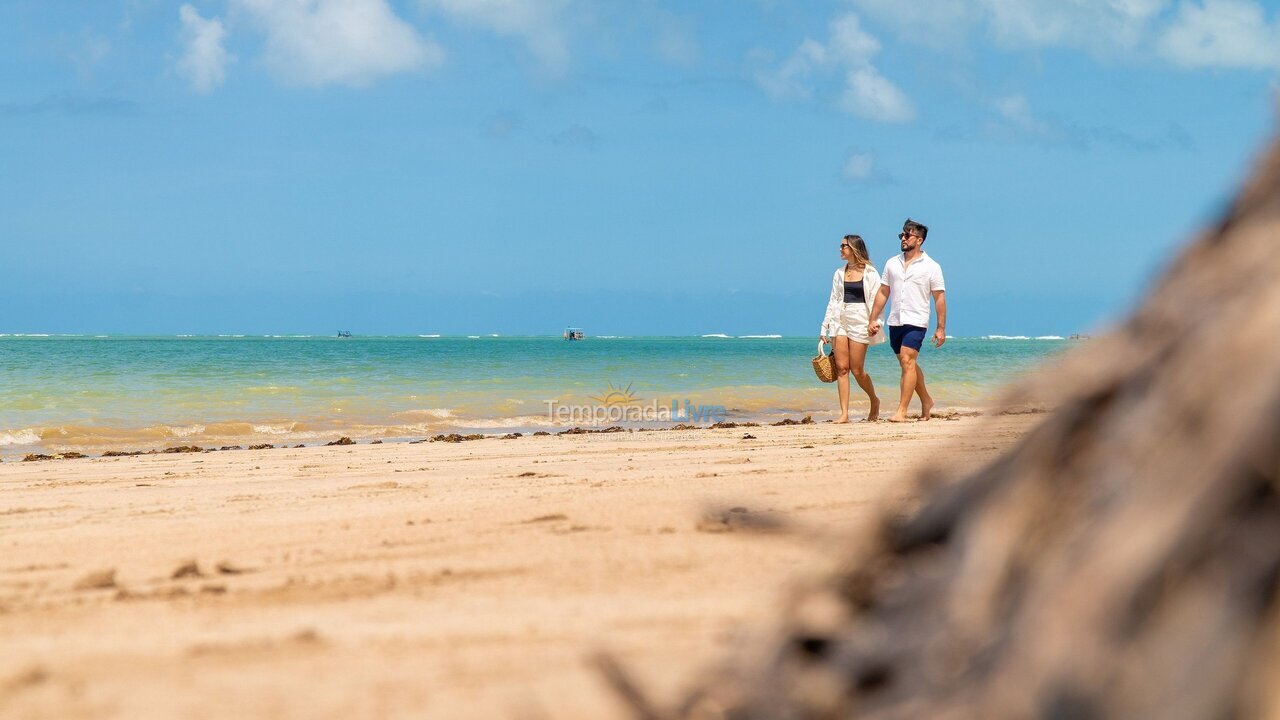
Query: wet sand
[445,580]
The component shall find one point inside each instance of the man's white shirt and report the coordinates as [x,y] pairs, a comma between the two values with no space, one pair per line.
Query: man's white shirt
[910,289]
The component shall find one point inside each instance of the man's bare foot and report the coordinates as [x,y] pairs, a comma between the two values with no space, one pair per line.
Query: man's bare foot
[899,417]
[874,415]
[842,420]
[926,409]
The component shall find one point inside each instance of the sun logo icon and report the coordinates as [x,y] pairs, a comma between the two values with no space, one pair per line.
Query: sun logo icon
[616,396]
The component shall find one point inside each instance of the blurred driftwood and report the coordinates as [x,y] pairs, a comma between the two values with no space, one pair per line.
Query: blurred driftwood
[1122,561]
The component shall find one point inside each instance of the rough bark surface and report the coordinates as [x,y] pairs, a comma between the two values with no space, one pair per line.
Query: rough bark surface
[1123,561]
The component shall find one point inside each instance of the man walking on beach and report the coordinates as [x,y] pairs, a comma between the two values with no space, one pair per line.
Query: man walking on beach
[911,278]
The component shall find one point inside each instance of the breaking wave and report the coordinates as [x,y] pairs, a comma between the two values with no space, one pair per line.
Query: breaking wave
[26,436]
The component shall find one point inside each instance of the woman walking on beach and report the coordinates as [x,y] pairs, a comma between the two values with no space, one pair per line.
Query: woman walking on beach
[853,290]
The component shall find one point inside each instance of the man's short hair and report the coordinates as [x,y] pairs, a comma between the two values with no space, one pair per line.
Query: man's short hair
[914,228]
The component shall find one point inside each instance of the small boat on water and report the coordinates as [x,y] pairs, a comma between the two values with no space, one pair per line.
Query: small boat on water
[574,334]
[344,333]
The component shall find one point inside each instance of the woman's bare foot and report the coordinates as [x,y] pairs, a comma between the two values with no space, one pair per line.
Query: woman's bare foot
[842,420]
[926,409]
[874,415]
[899,417]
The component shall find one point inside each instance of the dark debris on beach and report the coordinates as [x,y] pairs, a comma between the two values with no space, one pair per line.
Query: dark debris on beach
[458,437]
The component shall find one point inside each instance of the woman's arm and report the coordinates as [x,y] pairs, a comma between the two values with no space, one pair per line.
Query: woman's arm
[833,305]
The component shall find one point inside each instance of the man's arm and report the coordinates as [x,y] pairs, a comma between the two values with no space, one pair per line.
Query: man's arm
[882,297]
[940,303]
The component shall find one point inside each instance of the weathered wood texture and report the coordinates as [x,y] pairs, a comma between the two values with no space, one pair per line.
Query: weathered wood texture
[1121,562]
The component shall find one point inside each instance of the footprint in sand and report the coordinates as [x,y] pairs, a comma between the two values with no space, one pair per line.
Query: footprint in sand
[554,517]
[97,580]
[388,485]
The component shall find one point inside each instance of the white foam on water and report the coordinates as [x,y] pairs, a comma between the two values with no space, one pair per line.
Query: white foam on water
[187,431]
[274,429]
[513,421]
[271,389]
[438,413]
[25,436]
[429,336]
[1050,337]
[759,336]
[1005,337]
[473,337]
[716,335]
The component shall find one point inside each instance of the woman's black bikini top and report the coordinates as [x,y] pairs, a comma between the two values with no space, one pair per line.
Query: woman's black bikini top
[853,292]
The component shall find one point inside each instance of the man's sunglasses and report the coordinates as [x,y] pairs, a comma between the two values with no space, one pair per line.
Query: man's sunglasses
[904,236]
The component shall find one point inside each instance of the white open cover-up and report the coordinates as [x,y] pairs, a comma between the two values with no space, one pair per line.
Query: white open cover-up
[837,315]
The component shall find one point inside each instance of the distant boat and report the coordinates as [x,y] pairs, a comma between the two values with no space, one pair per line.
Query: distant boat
[574,334]
[344,333]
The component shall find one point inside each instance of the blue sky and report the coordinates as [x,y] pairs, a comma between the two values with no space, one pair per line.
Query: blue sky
[469,166]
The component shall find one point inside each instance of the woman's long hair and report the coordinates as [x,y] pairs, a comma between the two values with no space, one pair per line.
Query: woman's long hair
[861,258]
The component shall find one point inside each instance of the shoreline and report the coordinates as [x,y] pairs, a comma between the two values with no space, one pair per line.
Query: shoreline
[455,437]
[469,579]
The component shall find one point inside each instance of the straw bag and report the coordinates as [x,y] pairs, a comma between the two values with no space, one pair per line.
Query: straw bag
[824,365]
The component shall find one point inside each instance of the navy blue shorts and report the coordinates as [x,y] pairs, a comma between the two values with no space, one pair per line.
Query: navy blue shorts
[910,335]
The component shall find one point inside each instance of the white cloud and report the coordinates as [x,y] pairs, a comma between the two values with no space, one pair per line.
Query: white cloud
[1016,112]
[869,95]
[342,42]
[538,23]
[791,79]
[933,24]
[204,59]
[1223,34]
[1096,25]
[1101,27]
[850,50]
[1015,120]
[850,43]
[859,168]
[675,42]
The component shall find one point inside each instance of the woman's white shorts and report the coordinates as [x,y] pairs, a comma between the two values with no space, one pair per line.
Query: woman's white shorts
[853,323]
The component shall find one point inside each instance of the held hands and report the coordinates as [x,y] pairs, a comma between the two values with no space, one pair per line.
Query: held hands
[873,328]
[939,337]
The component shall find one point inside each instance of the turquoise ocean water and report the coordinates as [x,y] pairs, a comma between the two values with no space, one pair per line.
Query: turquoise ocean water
[92,393]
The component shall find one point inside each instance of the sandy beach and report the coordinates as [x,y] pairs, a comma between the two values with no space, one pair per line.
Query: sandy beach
[445,580]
